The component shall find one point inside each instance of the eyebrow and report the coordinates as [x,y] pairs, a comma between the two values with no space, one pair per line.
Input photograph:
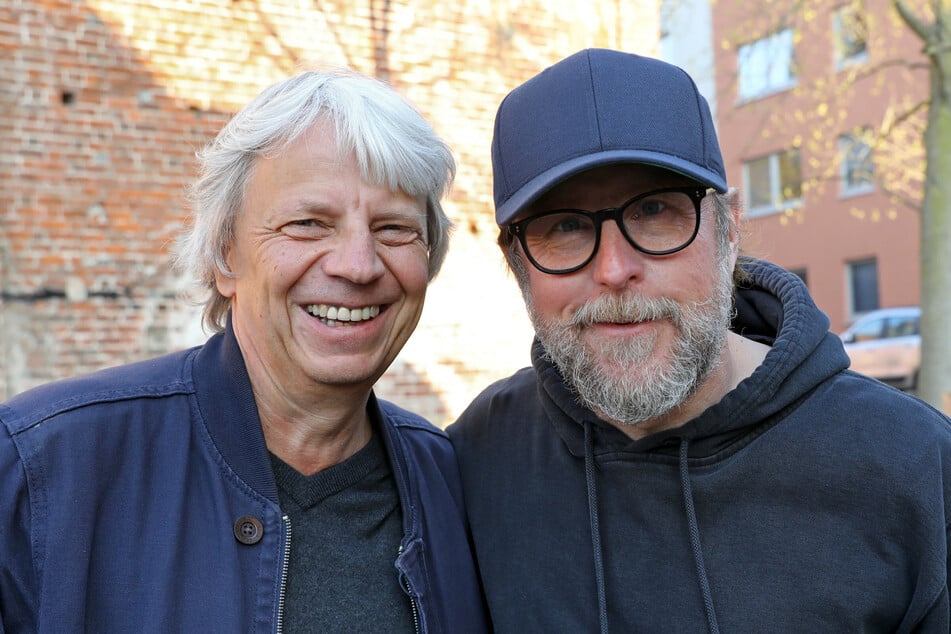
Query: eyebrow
[312,206]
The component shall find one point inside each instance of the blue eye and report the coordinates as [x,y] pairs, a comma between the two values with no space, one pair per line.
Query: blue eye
[398,235]
[306,229]
[567,225]
[650,207]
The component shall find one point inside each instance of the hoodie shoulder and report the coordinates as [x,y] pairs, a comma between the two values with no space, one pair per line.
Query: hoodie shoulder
[501,401]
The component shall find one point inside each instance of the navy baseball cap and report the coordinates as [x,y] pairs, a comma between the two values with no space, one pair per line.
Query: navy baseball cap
[600,107]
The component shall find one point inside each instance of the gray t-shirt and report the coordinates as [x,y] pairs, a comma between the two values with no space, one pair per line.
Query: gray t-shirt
[345,534]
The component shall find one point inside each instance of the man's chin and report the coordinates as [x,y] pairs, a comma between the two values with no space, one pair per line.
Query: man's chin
[627,378]
[630,357]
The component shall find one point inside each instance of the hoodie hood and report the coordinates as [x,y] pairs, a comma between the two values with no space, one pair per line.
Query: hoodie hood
[774,308]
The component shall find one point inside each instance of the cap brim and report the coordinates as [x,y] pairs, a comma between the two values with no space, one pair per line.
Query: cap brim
[534,188]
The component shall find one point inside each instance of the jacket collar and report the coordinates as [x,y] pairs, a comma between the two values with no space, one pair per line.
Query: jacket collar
[229,411]
[230,414]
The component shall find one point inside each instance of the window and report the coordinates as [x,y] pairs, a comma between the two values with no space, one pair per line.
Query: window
[885,325]
[851,35]
[901,326]
[863,286]
[856,169]
[870,330]
[773,182]
[766,66]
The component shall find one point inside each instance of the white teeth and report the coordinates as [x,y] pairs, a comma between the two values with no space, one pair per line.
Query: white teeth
[335,315]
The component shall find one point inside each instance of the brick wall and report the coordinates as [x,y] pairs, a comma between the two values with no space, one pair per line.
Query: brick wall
[103,104]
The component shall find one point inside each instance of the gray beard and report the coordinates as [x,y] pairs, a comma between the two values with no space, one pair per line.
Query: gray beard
[608,377]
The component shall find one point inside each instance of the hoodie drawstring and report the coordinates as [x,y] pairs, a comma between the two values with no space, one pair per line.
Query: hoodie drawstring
[695,539]
[694,530]
[591,481]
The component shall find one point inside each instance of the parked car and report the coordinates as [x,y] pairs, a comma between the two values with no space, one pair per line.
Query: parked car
[885,344]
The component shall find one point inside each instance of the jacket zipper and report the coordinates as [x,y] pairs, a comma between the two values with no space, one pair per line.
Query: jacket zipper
[284,565]
[414,605]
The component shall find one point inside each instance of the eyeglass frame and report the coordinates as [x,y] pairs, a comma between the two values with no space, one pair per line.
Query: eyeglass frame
[696,193]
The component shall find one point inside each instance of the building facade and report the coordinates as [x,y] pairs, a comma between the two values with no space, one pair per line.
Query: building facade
[818,124]
[103,104]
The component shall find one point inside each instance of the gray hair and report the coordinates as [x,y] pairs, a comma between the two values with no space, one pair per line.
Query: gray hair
[394,146]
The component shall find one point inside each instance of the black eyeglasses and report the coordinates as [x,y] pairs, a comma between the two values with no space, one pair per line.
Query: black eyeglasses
[562,241]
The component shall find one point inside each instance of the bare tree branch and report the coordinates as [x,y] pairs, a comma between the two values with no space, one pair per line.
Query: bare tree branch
[905,116]
[915,23]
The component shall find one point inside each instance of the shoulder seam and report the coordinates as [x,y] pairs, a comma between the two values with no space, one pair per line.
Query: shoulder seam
[63,406]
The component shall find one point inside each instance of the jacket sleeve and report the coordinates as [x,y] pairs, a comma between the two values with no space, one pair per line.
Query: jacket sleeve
[18,586]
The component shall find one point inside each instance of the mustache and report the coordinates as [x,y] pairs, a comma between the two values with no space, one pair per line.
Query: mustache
[626,308]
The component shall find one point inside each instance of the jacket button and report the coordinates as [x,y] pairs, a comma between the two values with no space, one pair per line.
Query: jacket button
[248,530]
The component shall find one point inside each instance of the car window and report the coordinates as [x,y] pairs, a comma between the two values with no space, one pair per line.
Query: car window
[869,330]
[902,326]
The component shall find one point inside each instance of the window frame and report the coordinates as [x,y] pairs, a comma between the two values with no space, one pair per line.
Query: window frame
[760,69]
[847,143]
[842,16]
[778,200]
[851,283]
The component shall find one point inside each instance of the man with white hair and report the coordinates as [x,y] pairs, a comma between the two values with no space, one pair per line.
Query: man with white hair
[254,483]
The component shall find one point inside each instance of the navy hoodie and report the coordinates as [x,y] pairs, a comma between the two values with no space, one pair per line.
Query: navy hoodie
[809,499]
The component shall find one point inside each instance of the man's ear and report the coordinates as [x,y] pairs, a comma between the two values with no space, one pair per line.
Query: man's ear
[225,281]
[734,204]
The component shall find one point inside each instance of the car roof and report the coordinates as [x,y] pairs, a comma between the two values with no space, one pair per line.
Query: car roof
[895,311]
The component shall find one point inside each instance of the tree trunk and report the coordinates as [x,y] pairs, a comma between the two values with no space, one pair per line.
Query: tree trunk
[935,379]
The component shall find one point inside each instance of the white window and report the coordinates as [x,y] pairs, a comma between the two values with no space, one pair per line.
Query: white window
[773,182]
[766,66]
[856,169]
[851,35]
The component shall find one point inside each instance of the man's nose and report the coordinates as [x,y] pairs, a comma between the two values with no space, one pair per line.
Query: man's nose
[354,256]
[617,262]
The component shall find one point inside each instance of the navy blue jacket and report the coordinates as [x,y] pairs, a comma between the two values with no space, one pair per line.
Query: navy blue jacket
[141,499]
[809,499]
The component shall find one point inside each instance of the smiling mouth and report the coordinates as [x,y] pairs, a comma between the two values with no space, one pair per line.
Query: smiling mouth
[341,315]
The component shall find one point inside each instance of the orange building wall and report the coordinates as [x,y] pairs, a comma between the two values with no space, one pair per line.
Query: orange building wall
[828,230]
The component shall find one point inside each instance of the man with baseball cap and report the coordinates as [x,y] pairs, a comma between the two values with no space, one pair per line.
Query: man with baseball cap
[688,451]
